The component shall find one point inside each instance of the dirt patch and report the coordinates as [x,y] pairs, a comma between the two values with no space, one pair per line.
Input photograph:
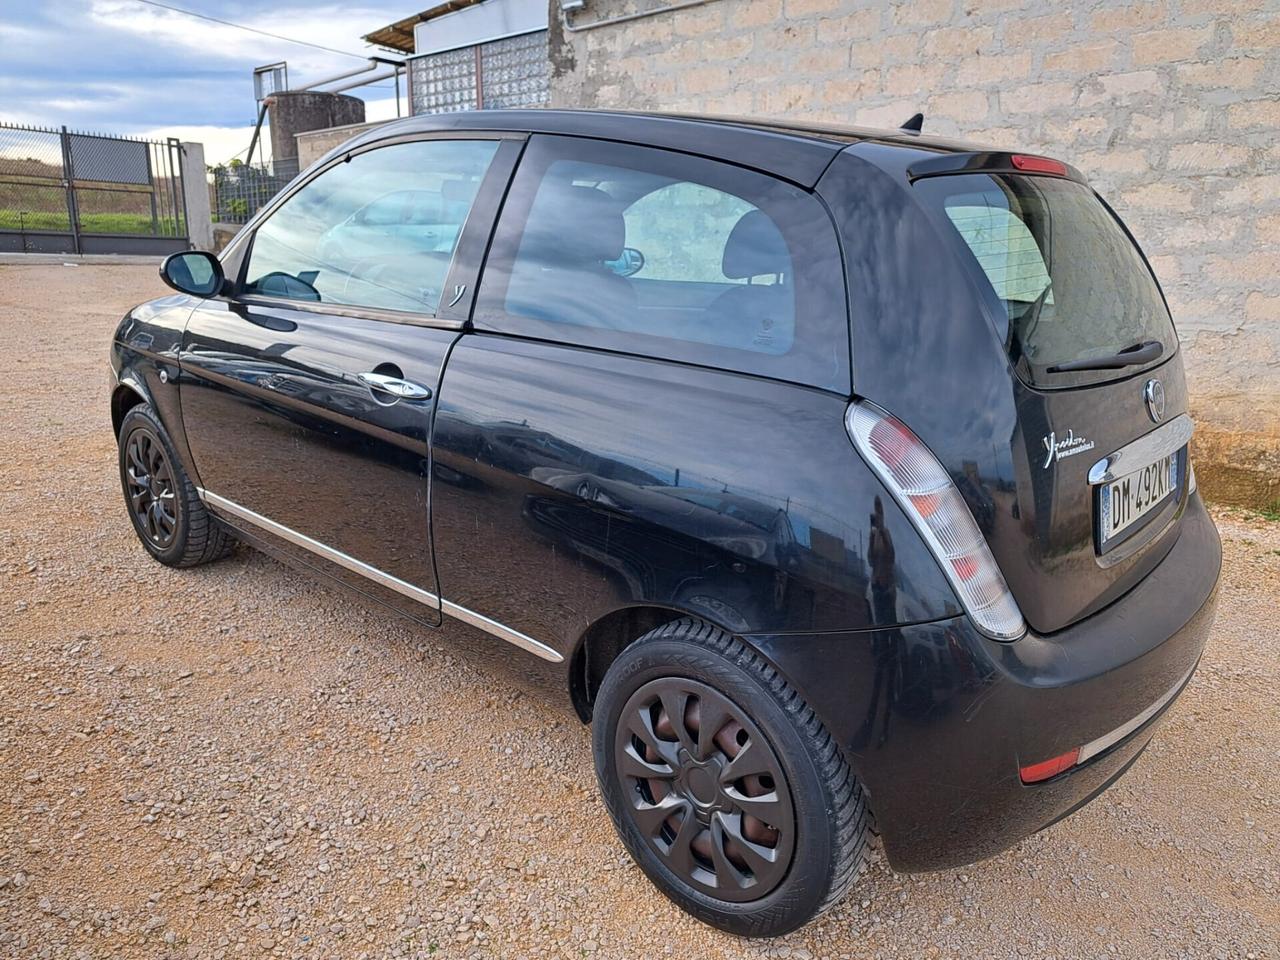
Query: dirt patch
[236,761]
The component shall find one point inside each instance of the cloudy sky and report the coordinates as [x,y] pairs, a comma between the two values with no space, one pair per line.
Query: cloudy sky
[122,66]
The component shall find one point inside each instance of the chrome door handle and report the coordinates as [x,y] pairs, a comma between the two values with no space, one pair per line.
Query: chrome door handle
[400,389]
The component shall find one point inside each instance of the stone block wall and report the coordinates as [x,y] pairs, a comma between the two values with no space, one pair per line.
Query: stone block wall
[1171,107]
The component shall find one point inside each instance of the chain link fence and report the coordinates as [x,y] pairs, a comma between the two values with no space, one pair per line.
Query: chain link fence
[33,193]
[240,190]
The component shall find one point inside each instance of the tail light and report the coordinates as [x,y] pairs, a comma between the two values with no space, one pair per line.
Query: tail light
[926,494]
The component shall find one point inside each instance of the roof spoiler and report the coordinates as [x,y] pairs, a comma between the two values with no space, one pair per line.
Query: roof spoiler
[993,162]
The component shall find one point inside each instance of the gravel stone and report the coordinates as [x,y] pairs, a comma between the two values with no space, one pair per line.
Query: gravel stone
[238,761]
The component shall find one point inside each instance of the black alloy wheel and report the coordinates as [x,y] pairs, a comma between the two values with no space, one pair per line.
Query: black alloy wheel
[706,789]
[167,513]
[149,484]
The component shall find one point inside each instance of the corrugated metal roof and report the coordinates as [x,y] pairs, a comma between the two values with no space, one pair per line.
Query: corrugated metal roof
[399,35]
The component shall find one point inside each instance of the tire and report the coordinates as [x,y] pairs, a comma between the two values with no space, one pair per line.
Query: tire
[680,807]
[167,513]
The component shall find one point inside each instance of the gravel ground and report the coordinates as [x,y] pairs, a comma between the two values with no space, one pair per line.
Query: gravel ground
[236,761]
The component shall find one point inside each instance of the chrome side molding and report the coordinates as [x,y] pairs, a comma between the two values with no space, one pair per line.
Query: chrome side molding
[1161,442]
[320,549]
[457,611]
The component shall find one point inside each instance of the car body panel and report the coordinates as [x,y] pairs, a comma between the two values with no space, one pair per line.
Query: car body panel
[617,497]
[937,719]
[146,345]
[279,425]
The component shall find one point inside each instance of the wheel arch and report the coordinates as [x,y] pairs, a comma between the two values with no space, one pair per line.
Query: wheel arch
[601,643]
[127,394]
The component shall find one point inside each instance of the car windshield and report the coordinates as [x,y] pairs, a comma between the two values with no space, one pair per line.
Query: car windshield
[1070,284]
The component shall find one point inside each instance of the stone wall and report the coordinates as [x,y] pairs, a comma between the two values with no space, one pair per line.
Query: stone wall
[314,144]
[1172,108]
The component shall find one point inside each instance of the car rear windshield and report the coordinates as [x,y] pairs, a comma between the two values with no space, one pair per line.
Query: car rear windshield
[1068,282]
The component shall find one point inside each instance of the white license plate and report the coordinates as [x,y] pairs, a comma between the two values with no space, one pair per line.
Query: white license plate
[1128,499]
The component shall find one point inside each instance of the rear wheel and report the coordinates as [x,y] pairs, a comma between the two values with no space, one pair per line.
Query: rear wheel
[167,513]
[723,784]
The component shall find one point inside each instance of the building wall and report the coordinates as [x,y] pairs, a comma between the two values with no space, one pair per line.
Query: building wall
[292,112]
[1171,107]
[314,144]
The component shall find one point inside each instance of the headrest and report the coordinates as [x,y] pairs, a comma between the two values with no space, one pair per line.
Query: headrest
[572,224]
[755,246]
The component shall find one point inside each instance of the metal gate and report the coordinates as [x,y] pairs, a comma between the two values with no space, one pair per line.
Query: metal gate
[67,192]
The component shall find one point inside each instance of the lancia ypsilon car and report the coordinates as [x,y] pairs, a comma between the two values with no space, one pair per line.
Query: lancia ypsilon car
[838,478]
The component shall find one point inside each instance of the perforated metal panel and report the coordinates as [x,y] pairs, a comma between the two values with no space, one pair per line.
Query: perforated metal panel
[512,72]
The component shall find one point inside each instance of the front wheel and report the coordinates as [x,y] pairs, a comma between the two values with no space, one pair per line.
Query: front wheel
[167,513]
[723,784]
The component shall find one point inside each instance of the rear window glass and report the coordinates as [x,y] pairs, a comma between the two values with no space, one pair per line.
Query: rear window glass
[1068,282]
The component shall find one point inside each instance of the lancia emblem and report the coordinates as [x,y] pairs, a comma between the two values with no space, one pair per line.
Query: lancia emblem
[1153,393]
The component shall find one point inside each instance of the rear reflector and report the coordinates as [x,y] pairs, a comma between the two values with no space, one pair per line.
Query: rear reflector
[1045,769]
[1049,768]
[1039,165]
[920,485]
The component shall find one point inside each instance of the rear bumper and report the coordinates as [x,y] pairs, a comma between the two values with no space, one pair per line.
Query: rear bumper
[941,719]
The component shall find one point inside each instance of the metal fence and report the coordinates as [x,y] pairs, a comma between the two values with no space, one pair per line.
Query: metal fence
[63,191]
[241,189]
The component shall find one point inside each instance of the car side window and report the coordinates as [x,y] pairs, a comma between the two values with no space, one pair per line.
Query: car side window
[684,227]
[667,255]
[378,230]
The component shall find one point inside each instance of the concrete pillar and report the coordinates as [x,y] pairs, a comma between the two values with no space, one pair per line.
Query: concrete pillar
[195,191]
[295,112]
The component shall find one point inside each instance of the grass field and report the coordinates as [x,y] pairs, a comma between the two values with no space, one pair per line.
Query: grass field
[131,223]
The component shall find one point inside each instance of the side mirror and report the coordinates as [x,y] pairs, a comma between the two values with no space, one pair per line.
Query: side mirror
[629,264]
[194,272]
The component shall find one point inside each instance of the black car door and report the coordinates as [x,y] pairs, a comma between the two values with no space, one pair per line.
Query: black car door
[307,394]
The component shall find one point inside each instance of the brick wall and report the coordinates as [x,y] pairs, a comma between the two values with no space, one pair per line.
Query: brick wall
[1172,109]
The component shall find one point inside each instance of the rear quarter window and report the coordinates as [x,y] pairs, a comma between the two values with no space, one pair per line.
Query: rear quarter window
[669,256]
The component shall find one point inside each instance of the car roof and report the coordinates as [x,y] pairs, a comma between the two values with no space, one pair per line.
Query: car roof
[799,152]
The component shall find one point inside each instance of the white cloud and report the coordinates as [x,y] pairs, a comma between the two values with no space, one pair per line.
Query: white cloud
[220,143]
[337,26]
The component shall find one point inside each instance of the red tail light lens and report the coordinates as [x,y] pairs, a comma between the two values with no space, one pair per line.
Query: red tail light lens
[1030,164]
[924,490]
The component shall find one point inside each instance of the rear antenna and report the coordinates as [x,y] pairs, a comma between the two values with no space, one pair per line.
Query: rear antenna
[914,124]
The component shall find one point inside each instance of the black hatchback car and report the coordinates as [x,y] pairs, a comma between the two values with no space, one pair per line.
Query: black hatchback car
[839,478]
